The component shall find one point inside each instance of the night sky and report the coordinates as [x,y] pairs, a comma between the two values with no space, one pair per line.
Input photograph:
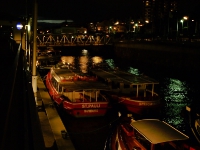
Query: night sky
[87,10]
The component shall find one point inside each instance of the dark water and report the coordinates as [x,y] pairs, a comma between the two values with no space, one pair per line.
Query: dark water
[177,89]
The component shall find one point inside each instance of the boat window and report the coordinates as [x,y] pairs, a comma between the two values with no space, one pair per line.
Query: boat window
[59,88]
[115,85]
[126,86]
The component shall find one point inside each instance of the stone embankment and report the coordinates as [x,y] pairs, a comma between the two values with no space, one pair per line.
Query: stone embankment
[169,55]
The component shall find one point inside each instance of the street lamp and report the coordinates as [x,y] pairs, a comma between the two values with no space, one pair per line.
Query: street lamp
[182,21]
[182,24]
[19,26]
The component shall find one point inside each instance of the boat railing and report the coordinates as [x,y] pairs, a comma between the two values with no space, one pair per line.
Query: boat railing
[87,98]
[152,92]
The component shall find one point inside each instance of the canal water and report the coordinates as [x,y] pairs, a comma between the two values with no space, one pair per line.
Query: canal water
[177,89]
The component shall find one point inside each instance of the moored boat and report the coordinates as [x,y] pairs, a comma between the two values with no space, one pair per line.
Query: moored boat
[79,94]
[147,134]
[136,93]
[194,122]
[47,58]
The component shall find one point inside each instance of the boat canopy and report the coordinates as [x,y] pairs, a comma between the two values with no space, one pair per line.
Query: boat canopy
[156,131]
[124,77]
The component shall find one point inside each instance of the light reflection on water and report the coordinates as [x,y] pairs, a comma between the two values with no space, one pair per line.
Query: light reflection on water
[174,94]
[111,63]
[83,63]
[134,71]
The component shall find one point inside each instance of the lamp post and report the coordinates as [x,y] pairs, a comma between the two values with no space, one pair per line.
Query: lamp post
[34,73]
[20,27]
[182,25]
[182,21]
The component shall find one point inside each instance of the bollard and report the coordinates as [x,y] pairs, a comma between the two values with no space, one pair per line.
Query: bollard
[64,134]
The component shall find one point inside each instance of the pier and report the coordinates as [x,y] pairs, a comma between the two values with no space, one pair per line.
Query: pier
[25,125]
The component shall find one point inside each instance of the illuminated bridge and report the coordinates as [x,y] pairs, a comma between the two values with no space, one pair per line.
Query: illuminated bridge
[73,39]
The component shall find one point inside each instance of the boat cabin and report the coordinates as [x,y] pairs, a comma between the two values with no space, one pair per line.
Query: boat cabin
[153,134]
[82,91]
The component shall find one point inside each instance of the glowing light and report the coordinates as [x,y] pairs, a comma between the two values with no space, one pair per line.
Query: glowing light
[110,63]
[85,52]
[116,23]
[97,59]
[185,18]
[67,59]
[176,97]
[19,26]
[134,71]
[83,62]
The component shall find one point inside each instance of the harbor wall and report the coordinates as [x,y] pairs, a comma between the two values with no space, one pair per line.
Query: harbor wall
[168,55]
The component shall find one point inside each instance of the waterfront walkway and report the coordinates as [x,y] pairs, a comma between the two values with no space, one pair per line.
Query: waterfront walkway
[53,130]
[23,125]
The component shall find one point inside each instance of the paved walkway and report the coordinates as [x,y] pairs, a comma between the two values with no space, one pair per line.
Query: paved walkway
[51,124]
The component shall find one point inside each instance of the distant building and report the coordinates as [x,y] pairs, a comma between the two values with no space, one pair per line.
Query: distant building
[158,14]
[110,27]
[70,30]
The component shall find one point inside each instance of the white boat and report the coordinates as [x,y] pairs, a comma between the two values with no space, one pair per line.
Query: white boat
[135,93]
[146,134]
[194,121]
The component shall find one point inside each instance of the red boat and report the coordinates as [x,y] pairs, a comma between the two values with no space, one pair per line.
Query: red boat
[194,122]
[147,134]
[136,93]
[78,93]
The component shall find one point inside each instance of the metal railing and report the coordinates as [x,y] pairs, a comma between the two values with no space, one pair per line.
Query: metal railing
[20,127]
[73,39]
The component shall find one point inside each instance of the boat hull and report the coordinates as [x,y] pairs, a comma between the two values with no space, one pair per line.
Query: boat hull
[76,109]
[137,106]
[124,137]
[86,109]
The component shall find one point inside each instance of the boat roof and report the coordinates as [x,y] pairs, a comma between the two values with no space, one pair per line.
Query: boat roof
[125,77]
[156,131]
[61,72]
[84,85]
